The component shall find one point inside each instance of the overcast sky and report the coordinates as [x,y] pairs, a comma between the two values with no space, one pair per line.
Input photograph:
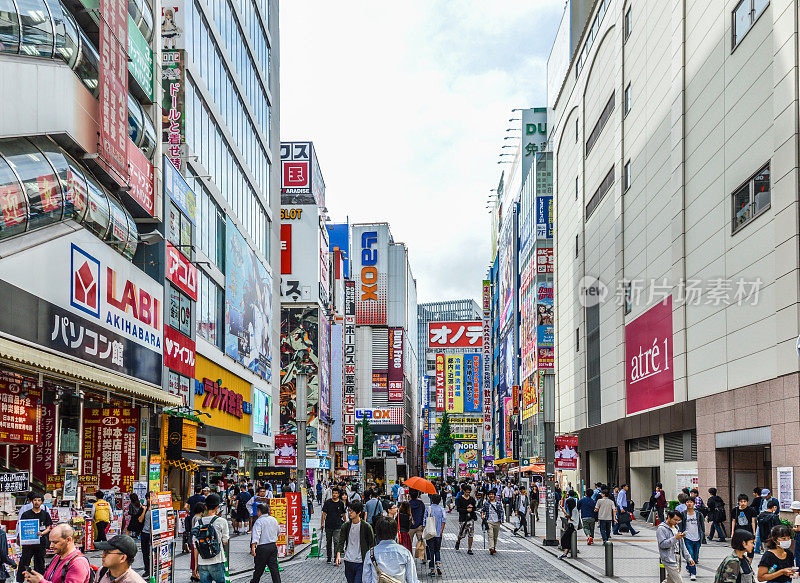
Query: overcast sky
[407,105]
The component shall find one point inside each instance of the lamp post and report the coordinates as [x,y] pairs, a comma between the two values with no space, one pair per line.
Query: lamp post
[550,539]
[301,418]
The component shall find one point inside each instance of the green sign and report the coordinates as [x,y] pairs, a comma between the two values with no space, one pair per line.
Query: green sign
[141,59]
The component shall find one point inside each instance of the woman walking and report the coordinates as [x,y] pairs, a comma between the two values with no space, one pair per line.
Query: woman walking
[404,525]
[433,545]
[573,520]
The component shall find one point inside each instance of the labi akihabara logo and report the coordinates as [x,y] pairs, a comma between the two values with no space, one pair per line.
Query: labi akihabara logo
[85,282]
[591,291]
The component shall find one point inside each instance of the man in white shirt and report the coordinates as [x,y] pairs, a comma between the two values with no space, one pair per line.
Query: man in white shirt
[263,545]
[213,568]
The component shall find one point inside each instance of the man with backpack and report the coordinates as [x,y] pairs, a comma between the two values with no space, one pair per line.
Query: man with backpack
[768,518]
[69,565]
[208,536]
[118,555]
[373,508]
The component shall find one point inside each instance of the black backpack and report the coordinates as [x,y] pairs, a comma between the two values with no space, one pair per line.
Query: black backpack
[208,544]
[65,569]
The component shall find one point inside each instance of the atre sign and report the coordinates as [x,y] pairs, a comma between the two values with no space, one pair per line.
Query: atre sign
[648,359]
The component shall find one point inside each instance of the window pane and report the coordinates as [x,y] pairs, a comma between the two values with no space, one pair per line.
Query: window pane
[37,29]
[98,215]
[88,67]
[741,205]
[761,190]
[9,27]
[12,203]
[41,186]
[759,6]
[741,20]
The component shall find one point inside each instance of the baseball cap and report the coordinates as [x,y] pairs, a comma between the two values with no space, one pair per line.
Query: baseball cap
[122,543]
[764,492]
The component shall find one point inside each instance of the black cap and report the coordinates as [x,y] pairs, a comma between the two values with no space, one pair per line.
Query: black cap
[121,542]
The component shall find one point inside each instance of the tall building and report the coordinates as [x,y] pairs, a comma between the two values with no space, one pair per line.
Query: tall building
[675,164]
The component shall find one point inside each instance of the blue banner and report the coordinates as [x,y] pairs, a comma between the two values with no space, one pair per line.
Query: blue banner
[544,217]
[473,391]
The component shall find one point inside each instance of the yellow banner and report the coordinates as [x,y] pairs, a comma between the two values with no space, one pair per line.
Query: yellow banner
[228,402]
[454,383]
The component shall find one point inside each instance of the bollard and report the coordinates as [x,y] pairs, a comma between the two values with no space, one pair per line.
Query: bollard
[573,544]
[662,572]
[608,549]
[533,524]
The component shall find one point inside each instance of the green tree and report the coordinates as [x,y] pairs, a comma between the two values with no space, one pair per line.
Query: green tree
[442,452]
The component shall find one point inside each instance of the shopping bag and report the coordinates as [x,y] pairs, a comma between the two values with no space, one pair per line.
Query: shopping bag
[419,552]
[430,528]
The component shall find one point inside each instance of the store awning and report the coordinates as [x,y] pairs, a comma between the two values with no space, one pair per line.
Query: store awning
[505,460]
[36,357]
[535,468]
[198,460]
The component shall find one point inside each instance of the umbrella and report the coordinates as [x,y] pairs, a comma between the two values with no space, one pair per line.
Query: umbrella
[420,484]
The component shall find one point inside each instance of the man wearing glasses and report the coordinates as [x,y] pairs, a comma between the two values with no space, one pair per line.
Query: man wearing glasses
[69,565]
[118,555]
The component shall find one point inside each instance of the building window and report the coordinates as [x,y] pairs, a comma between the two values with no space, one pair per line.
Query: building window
[576,245]
[599,194]
[576,128]
[627,99]
[626,32]
[751,198]
[577,339]
[576,188]
[626,176]
[593,360]
[628,298]
[744,16]
[601,122]
[210,311]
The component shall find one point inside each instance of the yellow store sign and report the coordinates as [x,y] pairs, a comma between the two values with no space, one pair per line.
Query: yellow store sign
[222,395]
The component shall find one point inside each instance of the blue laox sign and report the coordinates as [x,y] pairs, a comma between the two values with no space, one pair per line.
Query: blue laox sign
[544,217]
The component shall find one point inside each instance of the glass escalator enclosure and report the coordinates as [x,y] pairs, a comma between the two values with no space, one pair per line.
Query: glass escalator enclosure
[76,197]
[13,205]
[133,237]
[58,160]
[146,23]
[98,215]
[135,120]
[148,145]
[38,179]
[37,28]
[9,27]
[117,235]
[67,39]
[88,66]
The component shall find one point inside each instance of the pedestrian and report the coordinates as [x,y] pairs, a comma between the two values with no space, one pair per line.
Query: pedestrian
[136,512]
[756,506]
[264,545]
[466,505]
[391,509]
[355,539]
[606,512]
[118,556]
[586,508]
[69,565]
[777,563]
[404,526]
[493,516]
[671,547]
[373,508]
[242,511]
[716,515]
[573,520]
[736,567]
[4,558]
[209,537]
[535,499]
[36,552]
[699,505]
[744,517]
[319,489]
[333,515]
[146,537]
[660,501]
[197,512]
[417,508]
[693,524]
[387,558]
[433,545]
[101,514]
[796,528]
[508,499]
[522,506]
[624,517]
[768,519]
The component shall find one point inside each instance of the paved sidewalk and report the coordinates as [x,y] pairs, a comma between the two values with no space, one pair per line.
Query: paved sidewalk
[635,557]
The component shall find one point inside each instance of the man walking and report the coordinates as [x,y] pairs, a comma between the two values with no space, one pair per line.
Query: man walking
[417,517]
[35,552]
[508,498]
[211,534]
[101,513]
[118,556]
[465,505]
[586,507]
[493,516]
[331,521]
[264,545]
[69,565]
[373,507]
[660,502]
[522,505]
[671,546]
[355,540]
[605,511]
[623,516]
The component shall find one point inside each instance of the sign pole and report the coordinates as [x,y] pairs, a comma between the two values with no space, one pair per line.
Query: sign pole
[550,539]
[301,413]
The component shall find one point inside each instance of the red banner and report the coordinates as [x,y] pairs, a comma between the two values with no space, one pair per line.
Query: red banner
[181,272]
[286,450]
[395,376]
[141,177]
[114,87]
[455,335]
[648,359]
[286,248]
[44,455]
[544,260]
[179,352]
[567,452]
[20,400]
[440,382]
[110,441]
[295,516]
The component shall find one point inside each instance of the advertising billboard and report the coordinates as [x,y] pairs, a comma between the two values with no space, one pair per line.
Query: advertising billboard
[506,271]
[110,446]
[370,259]
[286,450]
[93,305]
[544,217]
[527,308]
[325,365]
[544,260]
[300,337]
[534,136]
[381,415]
[440,382]
[301,178]
[349,363]
[648,359]
[304,255]
[473,396]
[530,404]
[178,191]
[181,271]
[179,352]
[508,411]
[173,104]
[395,375]
[544,315]
[455,334]
[454,383]
[566,452]
[248,306]
[113,84]
[261,409]
[487,359]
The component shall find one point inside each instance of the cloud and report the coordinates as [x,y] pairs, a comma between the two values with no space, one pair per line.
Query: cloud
[407,105]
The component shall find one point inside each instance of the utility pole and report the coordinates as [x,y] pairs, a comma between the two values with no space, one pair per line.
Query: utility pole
[550,539]
[302,419]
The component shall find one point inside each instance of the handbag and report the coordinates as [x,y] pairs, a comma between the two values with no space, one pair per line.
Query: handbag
[382,577]
[430,528]
[419,551]
[623,518]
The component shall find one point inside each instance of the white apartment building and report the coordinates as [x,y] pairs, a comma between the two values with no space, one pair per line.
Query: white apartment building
[674,128]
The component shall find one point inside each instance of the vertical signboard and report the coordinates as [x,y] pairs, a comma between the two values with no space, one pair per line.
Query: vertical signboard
[300,340]
[487,359]
[454,390]
[440,382]
[395,378]
[544,217]
[141,179]
[370,271]
[114,87]
[110,446]
[173,82]
[473,402]
[648,359]
[349,363]
[534,136]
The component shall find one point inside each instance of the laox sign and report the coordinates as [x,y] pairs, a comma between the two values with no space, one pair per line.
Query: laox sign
[369,269]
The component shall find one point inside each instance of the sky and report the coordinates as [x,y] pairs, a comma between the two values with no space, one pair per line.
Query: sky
[407,104]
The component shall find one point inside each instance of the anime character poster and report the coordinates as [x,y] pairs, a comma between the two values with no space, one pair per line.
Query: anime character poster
[299,352]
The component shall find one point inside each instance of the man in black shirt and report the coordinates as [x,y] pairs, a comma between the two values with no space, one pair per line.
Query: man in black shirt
[35,552]
[332,520]
[466,504]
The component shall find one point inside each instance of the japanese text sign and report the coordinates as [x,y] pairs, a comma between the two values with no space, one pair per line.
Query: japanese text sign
[395,375]
[181,271]
[179,352]
[440,382]
[114,87]
[454,389]
[455,334]
[20,400]
[349,364]
[110,441]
